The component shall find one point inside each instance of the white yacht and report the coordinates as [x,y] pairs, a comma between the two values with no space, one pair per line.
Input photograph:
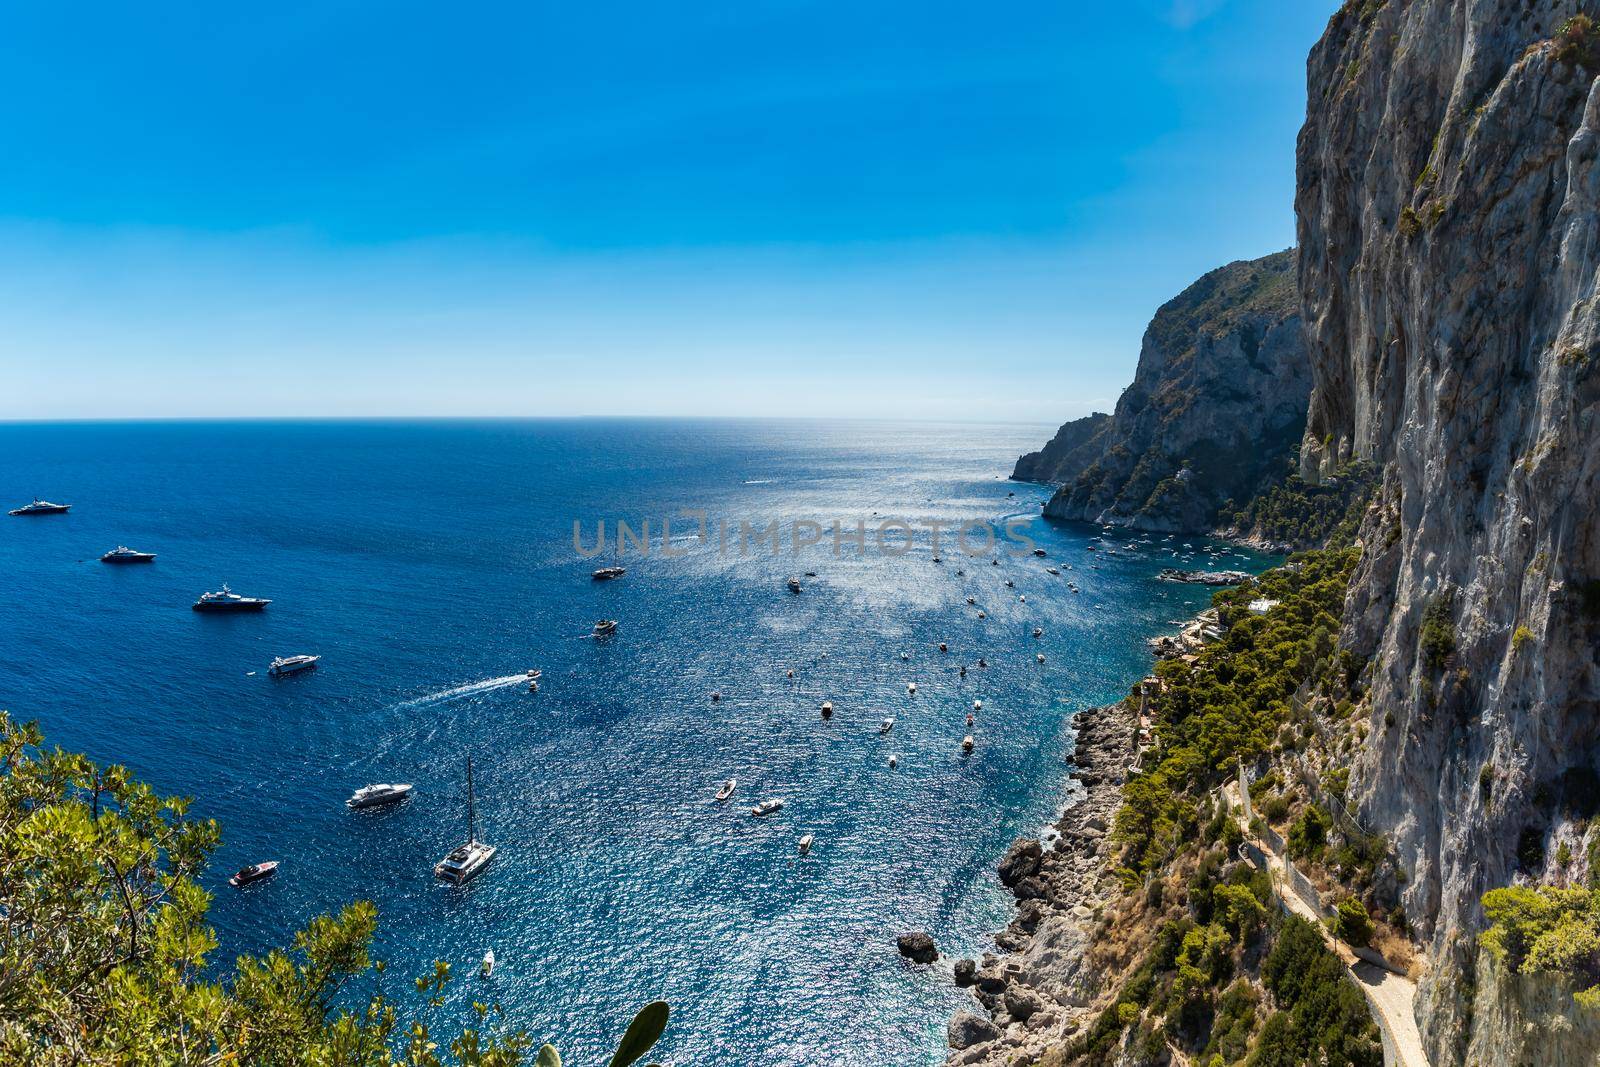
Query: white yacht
[466,861]
[290,664]
[888,724]
[806,842]
[371,796]
[767,807]
[727,789]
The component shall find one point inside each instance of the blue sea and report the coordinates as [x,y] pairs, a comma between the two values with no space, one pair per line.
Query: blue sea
[431,563]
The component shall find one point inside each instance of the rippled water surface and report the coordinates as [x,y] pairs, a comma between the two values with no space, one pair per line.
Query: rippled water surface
[431,563]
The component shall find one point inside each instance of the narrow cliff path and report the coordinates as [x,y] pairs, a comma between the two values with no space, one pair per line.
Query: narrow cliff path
[1390,996]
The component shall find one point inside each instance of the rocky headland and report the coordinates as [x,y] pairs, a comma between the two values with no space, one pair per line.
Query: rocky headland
[1216,406]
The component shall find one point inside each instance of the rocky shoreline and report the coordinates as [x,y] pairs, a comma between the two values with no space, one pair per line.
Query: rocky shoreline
[1042,990]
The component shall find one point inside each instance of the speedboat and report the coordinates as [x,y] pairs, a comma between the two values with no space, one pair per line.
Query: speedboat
[894,761]
[254,873]
[1039,658]
[767,807]
[972,600]
[1038,631]
[794,586]
[888,724]
[827,709]
[486,970]
[936,559]
[911,688]
[42,507]
[967,743]
[124,554]
[1039,552]
[983,615]
[534,674]
[727,789]
[605,627]
[226,599]
[805,843]
[977,705]
[1051,570]
[371,796]
[290,664]
[466,861]
[605,574]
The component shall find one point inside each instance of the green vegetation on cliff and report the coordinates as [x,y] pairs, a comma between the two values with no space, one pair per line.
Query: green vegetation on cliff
[1231,703]
[1543,930]
[1300,513]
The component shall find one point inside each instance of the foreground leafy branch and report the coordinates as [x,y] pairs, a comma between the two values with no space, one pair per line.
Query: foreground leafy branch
[104,946]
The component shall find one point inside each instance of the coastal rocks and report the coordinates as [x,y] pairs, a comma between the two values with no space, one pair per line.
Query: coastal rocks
[967,1029]
[1448,209]
[966,972]
[1216,406]
[917,946]
[1040,992]
[1173,574]
[1020,861]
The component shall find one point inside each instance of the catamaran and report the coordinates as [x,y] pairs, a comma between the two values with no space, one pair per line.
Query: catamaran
[465,862]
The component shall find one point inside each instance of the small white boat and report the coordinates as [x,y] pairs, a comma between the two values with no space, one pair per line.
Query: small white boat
[905,655]
[1051,570]
[727,789]
[983,615]
[370,796]
[1039,658]
[1023,598]
[795,586]
[1010,584]
[487,970]
[972,600]
[1038,631]
[966,743]
[767,807]
[888,724]
[977,705]
[534,674]
[827,709]
[291,664]
[894,761]
[606,574]
[605,627]
[805,843]
[911,688]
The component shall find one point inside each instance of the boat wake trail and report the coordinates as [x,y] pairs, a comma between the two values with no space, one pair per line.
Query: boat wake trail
[460,691]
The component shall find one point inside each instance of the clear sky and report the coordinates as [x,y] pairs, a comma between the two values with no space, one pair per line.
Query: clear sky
[881,207]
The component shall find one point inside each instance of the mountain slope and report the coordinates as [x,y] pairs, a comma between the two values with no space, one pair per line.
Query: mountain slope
[1216,405]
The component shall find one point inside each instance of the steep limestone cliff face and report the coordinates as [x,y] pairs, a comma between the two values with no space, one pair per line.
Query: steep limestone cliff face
[1449,234]
[1216,405]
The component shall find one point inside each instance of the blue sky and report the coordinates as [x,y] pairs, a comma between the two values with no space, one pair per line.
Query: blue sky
[875,208]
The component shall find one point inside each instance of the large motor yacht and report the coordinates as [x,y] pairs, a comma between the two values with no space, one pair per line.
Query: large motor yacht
[124,554]
[290,664]
[371,796]
[42,507]
[226,599]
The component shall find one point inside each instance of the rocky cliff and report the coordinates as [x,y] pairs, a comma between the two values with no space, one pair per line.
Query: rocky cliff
[1217,403]
[1449,254]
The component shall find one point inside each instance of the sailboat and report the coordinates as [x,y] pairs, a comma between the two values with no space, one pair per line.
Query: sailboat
[467,861]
